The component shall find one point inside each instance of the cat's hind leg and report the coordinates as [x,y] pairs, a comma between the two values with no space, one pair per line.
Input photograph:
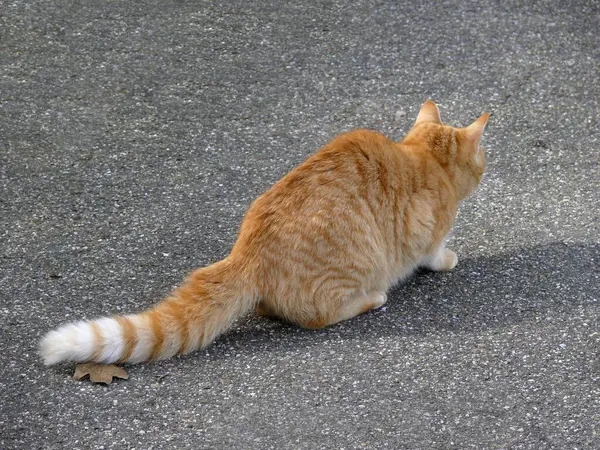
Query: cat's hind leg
[349,308]
[443,260]
[263,309]
[360,305]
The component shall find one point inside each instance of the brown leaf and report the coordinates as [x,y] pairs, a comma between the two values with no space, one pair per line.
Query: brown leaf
[99,373]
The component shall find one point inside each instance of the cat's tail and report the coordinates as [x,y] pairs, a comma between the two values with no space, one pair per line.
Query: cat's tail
[190,318]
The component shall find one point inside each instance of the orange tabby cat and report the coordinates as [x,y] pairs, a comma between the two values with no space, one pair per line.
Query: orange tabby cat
[323,245]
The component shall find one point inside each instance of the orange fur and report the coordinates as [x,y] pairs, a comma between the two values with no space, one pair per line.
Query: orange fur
[129,337]
[322,245]
[98,340]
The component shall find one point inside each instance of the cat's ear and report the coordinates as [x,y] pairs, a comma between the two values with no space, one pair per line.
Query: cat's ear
[429,113]
[475,130]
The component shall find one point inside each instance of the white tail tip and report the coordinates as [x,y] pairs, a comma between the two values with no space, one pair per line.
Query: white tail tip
[74,341]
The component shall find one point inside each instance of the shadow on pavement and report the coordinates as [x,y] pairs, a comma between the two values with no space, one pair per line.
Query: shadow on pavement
[501,290]
[488,292]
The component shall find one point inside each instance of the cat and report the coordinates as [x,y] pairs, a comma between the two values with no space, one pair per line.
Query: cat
[322,245]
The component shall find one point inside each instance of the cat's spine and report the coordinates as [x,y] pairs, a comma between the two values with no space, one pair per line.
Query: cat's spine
[190,318]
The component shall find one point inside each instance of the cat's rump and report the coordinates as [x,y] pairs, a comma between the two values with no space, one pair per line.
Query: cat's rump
[190,318]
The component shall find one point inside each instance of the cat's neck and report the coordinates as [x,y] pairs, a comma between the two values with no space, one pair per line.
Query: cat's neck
[448,171]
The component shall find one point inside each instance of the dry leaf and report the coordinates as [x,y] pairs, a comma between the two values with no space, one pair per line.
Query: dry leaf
[99,373]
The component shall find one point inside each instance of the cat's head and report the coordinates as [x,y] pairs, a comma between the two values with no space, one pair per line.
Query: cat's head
[458,150]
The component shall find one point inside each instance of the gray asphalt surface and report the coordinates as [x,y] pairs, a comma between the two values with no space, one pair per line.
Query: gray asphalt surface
[133,136]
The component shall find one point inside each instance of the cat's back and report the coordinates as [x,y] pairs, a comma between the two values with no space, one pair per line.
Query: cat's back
[347,159]
[329,186]
[337,171]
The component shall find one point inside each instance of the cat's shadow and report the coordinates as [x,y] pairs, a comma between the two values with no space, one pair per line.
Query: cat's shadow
[480,293]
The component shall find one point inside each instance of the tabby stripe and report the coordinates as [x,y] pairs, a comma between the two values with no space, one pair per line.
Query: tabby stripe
[351,265]
[276,263]
[129,337]
[357,208]
[307,251]
[361,170]
[332,278]
[98,342]
[370,205]
[179,314]
[353,231]
[195,322]
[331,240]
[453,145]
[343,271]
[293,250]
[406,229]
[396,213]
[305,263]
[157,331]
[383,179]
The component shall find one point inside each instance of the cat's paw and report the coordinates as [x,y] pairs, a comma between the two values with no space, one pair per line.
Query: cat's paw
[443,261]
[448,260]
[381,299]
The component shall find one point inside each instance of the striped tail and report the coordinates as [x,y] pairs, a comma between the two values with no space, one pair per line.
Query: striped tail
[190,318]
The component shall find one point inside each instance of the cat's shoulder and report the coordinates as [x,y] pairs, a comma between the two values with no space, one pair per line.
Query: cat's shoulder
[361,135]
[359,141]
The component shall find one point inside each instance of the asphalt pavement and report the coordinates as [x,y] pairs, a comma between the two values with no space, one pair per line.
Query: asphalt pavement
[134,135]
